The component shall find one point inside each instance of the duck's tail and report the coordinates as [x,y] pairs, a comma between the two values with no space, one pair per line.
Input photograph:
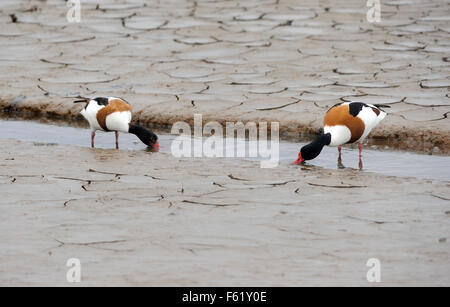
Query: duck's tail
[379,106]
[81,99]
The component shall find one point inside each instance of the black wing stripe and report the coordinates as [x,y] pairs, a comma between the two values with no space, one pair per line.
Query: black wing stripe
[102,101]
[356,107]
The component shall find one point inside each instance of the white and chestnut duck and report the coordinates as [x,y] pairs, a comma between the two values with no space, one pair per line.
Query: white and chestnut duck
[344,123]
[114,114]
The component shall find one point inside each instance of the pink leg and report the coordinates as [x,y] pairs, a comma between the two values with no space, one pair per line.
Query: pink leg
[360,157]
[339,163]
[92,138]
[117,140]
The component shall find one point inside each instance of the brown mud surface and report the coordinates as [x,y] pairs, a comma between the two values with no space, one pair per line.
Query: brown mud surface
[285,61]
[140,218]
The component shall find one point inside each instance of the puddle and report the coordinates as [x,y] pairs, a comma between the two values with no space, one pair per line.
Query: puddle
[395,163]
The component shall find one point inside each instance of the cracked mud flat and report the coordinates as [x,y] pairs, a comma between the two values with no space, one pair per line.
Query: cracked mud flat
[285,61]
[137,218]
[140,218]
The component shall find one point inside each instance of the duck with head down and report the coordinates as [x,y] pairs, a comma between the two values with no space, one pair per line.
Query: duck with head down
[344,123]
[114,114]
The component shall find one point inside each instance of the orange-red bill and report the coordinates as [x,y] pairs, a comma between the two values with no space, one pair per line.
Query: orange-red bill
[156,146]
[299,160]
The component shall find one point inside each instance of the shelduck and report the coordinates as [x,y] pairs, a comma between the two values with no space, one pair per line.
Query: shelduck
[344,123]
[114,114]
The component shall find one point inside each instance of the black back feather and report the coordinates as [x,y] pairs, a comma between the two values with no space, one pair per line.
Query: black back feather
[102,101]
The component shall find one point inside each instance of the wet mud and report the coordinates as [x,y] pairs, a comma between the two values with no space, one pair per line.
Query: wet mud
[141,218]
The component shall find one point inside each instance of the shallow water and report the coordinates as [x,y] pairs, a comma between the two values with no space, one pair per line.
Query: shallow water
[395,163]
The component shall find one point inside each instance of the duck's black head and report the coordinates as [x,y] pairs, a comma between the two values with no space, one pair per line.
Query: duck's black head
[146,136]
[313,149]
